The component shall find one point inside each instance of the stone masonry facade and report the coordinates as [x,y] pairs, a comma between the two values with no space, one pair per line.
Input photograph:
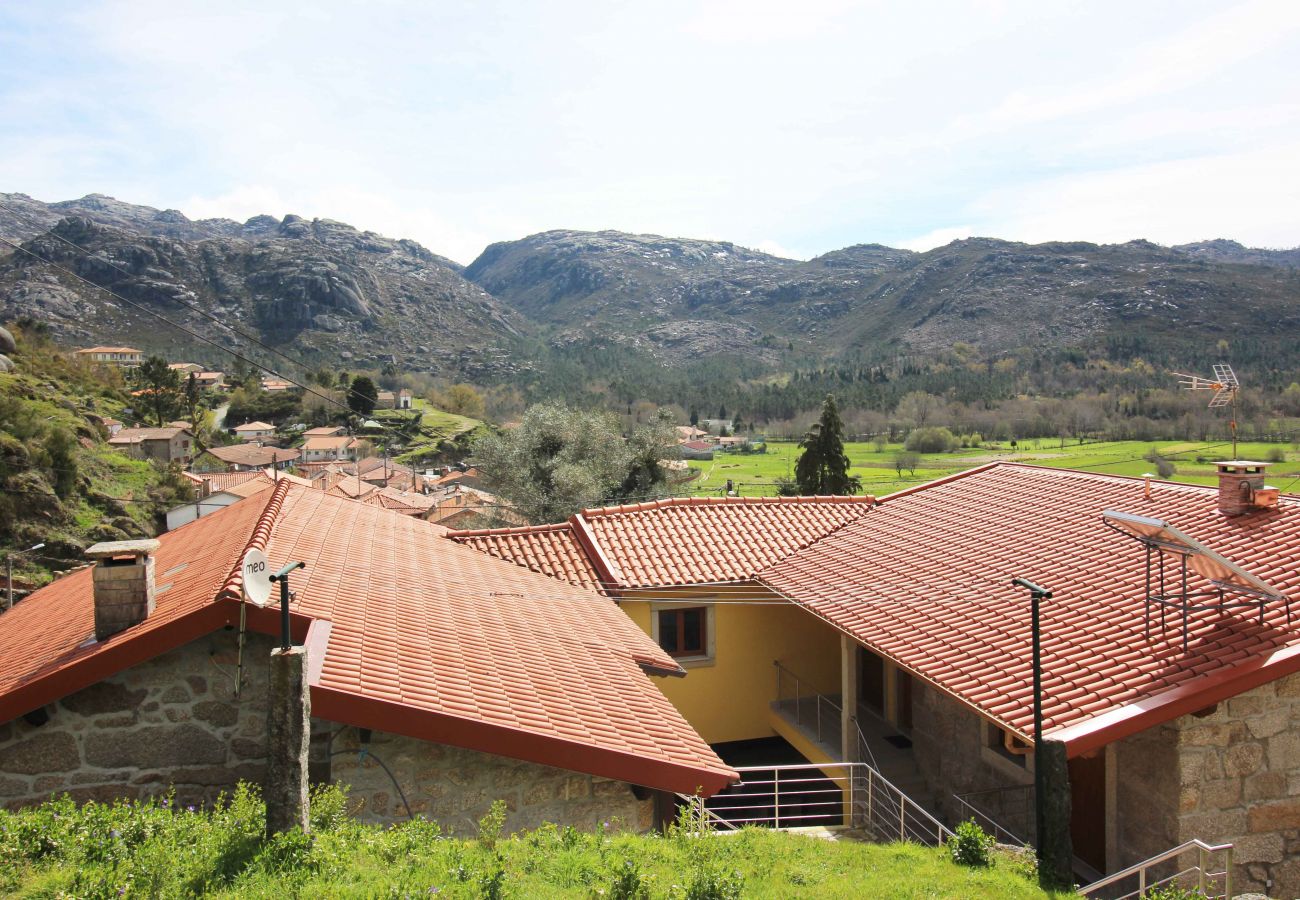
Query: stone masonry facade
[175,722]
[456,787]
[1239,773]
[1230,774]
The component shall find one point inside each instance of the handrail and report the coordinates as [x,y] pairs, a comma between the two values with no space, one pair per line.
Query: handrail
[818,698]
[977,812]
[986,821]
[1140,869]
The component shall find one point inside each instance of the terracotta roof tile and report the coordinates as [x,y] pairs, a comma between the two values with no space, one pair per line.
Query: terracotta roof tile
[925,580]
[549,549]
[220,481]
[246,455]
[427,638]
[702,540]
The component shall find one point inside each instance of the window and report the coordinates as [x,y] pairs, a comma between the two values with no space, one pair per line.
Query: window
[997,740]
[683,631]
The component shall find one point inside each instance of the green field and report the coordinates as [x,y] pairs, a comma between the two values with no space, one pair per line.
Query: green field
[435,427]
[158,849]
[756,474]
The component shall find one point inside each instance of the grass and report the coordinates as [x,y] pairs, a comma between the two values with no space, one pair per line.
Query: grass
[153,849]
[758,473]
[436,427]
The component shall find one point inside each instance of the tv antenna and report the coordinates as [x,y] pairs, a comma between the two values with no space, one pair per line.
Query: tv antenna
[1225,387]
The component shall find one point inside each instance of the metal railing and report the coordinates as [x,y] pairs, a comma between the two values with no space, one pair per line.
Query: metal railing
[1012,804]
[830,795]
[1208,882]
[821,715]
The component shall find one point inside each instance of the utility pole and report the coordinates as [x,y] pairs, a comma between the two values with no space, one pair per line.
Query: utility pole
[1051,768]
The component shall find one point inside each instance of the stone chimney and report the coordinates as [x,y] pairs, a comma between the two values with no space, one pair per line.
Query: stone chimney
[123,580]
[1242,488]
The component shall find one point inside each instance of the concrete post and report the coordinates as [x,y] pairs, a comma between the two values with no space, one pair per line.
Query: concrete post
[288,733]
[1055,849]
[849,699]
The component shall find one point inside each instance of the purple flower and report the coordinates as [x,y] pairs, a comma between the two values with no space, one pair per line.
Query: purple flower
[190,808]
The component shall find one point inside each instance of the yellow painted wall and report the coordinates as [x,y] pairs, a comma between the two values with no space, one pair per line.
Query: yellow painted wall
[729,699]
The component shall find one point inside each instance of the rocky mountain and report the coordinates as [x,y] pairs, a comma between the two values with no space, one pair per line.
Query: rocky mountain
[1232,252]
[605,302]
[999,295]
[330,291]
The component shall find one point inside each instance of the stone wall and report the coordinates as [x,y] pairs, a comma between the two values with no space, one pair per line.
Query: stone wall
[948,741]
[174,720]
[456,787]
[1240,774]
[1147,795]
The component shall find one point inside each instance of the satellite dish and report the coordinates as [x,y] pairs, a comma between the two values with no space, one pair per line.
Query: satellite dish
[257,577]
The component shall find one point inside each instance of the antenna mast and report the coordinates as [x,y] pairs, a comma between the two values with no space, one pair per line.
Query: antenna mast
[1225,387]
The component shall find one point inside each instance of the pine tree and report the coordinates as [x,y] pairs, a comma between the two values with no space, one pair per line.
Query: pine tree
[823,467]
[363,396]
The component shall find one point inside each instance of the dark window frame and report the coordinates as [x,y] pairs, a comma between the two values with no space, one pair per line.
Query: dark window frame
[681,651]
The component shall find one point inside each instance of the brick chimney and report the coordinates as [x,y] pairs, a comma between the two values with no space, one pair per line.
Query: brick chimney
[123,580]
[1242,488]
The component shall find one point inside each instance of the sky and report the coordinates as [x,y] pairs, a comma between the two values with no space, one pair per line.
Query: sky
[791,127]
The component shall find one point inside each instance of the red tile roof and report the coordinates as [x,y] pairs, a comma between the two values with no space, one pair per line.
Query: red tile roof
[702,540]
[220,481]
[549,549]
[925,579]
[426,638]
[246,455]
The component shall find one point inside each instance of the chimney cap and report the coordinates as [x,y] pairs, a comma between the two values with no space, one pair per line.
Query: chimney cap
[112,549]
[1227,465]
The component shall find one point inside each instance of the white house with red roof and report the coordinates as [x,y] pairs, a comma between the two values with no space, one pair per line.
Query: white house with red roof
[469,678]
[1176,705]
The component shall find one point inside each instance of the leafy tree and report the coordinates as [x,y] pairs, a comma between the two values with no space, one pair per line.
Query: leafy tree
[560,460]
[363,396]
[461,399]
[162,389]
[61,450]
[931,440]
[823,466]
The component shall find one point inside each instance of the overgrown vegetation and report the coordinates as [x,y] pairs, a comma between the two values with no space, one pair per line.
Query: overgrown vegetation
[61,484]
[155,849]
[560,460]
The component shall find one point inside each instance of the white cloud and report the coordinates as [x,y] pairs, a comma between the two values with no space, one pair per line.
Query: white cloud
[1248,196]
[937,238]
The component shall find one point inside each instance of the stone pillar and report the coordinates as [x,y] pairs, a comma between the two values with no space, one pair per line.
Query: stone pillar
[1055,849]
[288,732]
[849,699]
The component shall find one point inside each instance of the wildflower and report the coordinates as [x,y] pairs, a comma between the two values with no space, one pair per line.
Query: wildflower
[190,808]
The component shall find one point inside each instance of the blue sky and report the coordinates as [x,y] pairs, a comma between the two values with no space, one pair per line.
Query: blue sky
[794,127]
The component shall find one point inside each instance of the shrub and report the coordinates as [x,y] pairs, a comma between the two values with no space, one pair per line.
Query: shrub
[970,845]
[930,440]
[1275,455]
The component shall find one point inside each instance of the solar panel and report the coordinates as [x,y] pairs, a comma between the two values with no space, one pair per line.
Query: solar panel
[1200,559]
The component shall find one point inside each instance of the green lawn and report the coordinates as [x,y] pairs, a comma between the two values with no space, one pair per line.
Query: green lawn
[435,427]
[150,850]
[757,473]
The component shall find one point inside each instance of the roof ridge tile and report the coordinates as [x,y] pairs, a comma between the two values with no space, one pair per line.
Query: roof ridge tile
[233,586]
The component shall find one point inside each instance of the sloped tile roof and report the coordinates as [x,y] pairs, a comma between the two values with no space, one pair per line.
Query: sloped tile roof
[245,455]
[549,549]
[220,481]
[925,579]
[426,638]
[704,540]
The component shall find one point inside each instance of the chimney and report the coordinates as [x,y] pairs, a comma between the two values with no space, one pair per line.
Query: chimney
[123,579]
[1242,488]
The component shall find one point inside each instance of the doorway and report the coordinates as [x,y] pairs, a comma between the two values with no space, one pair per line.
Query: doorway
[871,686]
[1088,809]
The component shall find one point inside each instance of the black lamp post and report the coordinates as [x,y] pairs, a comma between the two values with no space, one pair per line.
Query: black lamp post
[1037,594]
[282,576]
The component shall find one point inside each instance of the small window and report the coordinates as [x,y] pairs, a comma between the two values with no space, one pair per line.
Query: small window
[1000,742]
[684,631]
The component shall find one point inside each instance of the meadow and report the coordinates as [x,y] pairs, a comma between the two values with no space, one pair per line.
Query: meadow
[757,474]
[156,849]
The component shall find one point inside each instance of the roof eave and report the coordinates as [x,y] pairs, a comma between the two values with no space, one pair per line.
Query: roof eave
[471,734]
[1116,724]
